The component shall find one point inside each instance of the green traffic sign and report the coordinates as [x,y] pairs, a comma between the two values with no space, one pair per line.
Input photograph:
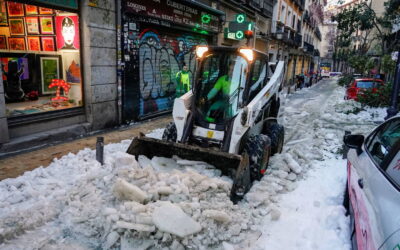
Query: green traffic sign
[205,18]
[240,18]
[239,34]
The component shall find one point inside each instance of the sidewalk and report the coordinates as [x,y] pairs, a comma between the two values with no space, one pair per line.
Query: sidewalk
[16,165]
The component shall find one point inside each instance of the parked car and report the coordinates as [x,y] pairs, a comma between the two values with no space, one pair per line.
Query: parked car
[373,187]
[360,84]
[335,73]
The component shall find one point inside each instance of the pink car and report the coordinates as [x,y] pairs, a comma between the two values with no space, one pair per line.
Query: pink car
[373,187]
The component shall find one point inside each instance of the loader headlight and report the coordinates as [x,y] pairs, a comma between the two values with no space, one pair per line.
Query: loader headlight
[200,50]
[247,53]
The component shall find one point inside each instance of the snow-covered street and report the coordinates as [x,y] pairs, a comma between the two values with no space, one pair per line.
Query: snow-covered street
[75,203]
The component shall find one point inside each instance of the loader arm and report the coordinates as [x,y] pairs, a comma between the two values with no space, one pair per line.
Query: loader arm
[250,113]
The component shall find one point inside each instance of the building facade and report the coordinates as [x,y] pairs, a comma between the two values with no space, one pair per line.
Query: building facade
[59,70]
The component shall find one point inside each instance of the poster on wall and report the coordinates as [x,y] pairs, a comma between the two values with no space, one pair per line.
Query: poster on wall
[17,27]
[16,43]
[15,9]
[72,67]
[34,43]
[3,42]
[3,14]
[49,70]
[32,25]
[31,10]
[48,43]
[67,31]
[46,25]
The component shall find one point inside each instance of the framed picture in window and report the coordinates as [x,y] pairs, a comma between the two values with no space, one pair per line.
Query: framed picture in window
[46,25]
[31,10]
[3,14]
[34,43]
[17,27]
[32,25]
[45,11]
[3,42]
[50,68]
[15,9]
[48,43]
[16,43]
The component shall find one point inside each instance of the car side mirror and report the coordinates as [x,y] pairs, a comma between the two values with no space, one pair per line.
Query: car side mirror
[354,141]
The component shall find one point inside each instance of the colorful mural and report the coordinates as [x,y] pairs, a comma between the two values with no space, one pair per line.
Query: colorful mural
[161,56]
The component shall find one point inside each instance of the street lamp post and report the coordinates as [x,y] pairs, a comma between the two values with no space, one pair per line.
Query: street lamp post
[392,110]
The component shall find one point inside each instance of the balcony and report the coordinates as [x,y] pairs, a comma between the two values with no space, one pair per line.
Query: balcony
[297,39]
[309,48]
[264,7]
[316,52]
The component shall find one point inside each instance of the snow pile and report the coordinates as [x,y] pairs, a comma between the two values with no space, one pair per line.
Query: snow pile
[75,203]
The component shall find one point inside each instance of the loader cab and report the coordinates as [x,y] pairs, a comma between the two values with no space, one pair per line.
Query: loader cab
[227,79]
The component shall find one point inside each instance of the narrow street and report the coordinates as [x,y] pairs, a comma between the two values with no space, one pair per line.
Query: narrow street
[303,186]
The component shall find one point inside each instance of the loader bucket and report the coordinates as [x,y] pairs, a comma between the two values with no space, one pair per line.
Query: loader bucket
[234,166]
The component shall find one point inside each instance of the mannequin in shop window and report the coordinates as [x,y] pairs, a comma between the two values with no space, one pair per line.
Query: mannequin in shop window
[13,90]
[68,33]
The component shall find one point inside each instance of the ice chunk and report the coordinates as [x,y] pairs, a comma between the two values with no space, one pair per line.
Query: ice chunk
[126,191]
[111,239]
[171,219]
[144,161]
[293,165]
[124,159]
[134,226]
[216,215]
[275,214]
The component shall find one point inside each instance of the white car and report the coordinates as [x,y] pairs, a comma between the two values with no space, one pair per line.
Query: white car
[374,187]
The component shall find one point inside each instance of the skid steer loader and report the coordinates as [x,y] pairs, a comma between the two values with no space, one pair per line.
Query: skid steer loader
[228,119]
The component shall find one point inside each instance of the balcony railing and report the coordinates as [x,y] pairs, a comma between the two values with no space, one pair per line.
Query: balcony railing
[309,47]
[297,39]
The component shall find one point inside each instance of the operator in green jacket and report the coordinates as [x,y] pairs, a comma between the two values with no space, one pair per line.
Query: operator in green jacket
[224,84]
[182,81]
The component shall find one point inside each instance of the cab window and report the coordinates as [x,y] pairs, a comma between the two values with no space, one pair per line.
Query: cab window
[257,78]
[393,169]
[382,142]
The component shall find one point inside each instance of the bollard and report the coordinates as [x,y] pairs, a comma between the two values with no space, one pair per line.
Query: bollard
[100,150]
[345,148]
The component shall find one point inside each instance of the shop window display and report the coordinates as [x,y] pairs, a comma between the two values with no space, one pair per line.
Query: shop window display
[40,59]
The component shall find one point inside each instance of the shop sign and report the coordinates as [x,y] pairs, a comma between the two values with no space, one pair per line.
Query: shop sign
[174,12]
[72,4]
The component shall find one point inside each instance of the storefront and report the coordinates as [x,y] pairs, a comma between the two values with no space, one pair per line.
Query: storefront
[157,40]
[40,57]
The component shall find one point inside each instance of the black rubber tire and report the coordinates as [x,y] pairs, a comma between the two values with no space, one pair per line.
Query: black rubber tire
[170,133]
[275,108]
[258,147]
[276,133]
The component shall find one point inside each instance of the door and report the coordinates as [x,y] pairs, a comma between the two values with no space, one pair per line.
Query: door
[373,192]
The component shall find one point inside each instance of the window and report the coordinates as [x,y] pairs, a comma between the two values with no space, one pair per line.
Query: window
[393,169]
[382,142]
[223,78]
[289,17]
[257,78]
[40,57]
[294,22]
[283,14]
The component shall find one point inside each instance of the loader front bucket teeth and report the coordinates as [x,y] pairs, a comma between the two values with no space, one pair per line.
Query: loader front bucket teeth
[232,165]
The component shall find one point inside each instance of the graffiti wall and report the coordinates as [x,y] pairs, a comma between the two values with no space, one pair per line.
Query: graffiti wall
[161,57]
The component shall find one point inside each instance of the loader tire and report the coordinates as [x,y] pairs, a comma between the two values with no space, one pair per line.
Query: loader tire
[170,133]
[276,133]
[258,147]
